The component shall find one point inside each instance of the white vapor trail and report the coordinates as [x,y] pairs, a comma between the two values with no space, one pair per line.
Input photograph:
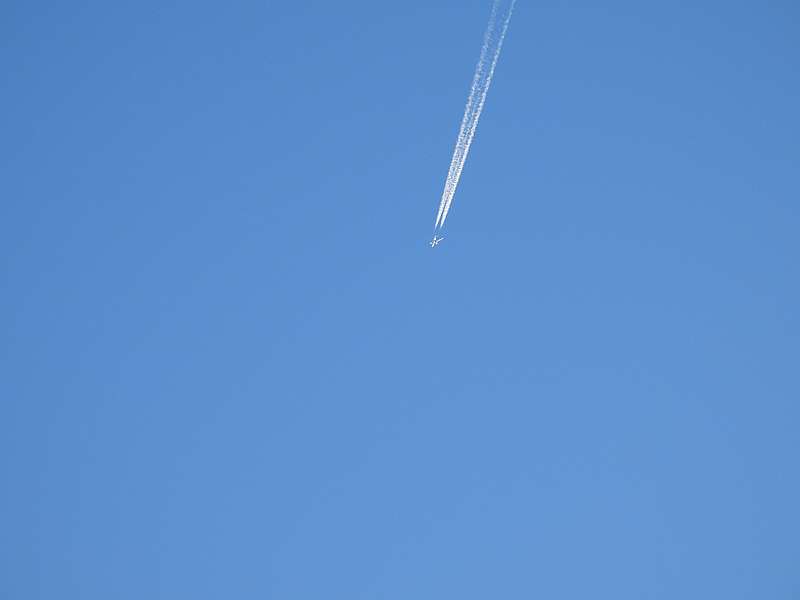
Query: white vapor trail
[484,71]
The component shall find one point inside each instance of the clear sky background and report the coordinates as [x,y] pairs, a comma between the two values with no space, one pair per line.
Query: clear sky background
[233,368]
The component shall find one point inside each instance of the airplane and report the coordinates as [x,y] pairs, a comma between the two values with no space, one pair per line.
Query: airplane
[435,241]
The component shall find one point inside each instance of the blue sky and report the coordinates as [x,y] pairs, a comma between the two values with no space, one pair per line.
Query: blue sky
[233,368]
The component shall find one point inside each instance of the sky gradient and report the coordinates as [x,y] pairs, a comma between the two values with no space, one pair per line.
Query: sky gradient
[231,366]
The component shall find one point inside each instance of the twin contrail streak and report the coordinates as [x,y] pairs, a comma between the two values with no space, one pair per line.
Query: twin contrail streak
[484,71]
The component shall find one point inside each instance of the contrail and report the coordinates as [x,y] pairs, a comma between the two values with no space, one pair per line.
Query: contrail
[484,71]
